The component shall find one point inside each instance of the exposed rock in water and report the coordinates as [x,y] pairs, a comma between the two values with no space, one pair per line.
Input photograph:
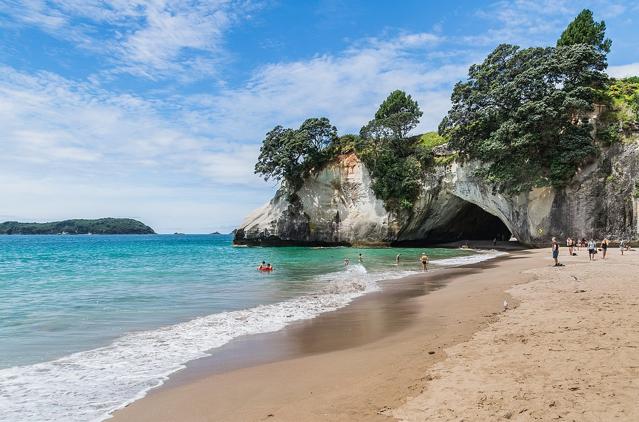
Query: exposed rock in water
[338,207]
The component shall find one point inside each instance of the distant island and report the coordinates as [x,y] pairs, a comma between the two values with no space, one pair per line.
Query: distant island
[78,226]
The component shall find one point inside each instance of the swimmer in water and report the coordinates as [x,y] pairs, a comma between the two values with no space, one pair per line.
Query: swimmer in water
[397,259]
[346,262]
[361,258]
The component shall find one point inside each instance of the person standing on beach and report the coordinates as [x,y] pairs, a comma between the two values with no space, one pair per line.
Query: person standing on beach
[424,261]
[555,251]
[622,245]
[569,244]
[604,247]
[592,249]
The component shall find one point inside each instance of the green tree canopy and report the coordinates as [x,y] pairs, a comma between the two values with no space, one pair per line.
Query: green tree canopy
[290,154]
[584,30]
[399,113]
[522,112]
[396,161]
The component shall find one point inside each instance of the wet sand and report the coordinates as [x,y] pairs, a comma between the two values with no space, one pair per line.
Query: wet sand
[356,363]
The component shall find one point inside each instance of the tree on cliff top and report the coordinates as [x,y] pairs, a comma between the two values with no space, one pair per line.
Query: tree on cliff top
[290,154]
[522,112]
[584,30]
[394,160]
[399,113]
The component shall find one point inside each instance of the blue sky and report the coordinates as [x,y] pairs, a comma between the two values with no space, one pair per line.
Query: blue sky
[155,109]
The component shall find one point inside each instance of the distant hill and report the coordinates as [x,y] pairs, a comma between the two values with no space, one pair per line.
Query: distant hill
[78,226]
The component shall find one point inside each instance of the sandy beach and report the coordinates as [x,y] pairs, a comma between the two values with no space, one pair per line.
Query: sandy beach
[436,347]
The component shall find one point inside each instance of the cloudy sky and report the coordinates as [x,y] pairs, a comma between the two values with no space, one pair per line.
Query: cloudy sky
[155,109]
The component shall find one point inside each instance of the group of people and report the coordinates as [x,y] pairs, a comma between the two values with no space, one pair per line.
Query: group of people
[423,259]
[265,267]
[591,245]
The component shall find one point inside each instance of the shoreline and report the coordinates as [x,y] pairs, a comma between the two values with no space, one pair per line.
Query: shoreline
[377,319]
[568,351]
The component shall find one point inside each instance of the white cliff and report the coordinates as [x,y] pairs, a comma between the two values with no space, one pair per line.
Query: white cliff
[338,206]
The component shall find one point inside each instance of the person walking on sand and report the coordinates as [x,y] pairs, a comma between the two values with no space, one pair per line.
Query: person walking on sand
[555,252]
[604,247]
[424,261]
[592,249]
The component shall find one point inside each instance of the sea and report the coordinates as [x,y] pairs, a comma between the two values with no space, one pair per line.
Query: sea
[90,323]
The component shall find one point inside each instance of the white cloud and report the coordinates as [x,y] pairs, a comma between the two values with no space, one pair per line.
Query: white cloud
[347,88]
[150,38]
[623,71]
[97,152]
[535,22]
[48,120]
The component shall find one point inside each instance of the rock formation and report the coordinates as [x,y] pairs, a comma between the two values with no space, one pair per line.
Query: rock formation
[338,207]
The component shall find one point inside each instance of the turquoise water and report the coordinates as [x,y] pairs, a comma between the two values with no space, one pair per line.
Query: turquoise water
[73,308]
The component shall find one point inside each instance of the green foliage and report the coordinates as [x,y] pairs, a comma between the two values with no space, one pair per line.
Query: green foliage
[396,162]
[620,99]
[291,154]
[345,144]
[432,139]
[444,160]
[399,113]
[522,112]
[78,226]
[624,95]
[608,132]
[584,30]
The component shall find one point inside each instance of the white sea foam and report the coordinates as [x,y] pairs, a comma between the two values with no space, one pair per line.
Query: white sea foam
[89,385]
[478,256]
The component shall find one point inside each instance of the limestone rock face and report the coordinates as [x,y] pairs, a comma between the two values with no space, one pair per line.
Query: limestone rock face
[338,206]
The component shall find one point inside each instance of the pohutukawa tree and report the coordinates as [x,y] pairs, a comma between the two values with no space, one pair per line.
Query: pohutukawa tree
[291,154]
[523,113]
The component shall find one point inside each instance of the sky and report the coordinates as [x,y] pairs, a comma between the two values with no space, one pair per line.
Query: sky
[156,109]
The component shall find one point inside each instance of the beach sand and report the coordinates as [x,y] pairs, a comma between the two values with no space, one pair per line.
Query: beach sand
[435,346]
[569,351]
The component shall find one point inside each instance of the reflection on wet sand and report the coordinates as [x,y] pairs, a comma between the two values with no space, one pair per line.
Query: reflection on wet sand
[367,319]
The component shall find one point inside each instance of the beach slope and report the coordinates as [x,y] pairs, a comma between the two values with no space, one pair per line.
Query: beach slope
[569,351]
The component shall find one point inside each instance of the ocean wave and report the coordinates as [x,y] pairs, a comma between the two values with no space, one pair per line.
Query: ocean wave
[478,256]
[90,385]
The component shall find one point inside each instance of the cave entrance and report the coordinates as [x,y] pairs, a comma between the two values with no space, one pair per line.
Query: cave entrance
[460,221]
[470,222]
